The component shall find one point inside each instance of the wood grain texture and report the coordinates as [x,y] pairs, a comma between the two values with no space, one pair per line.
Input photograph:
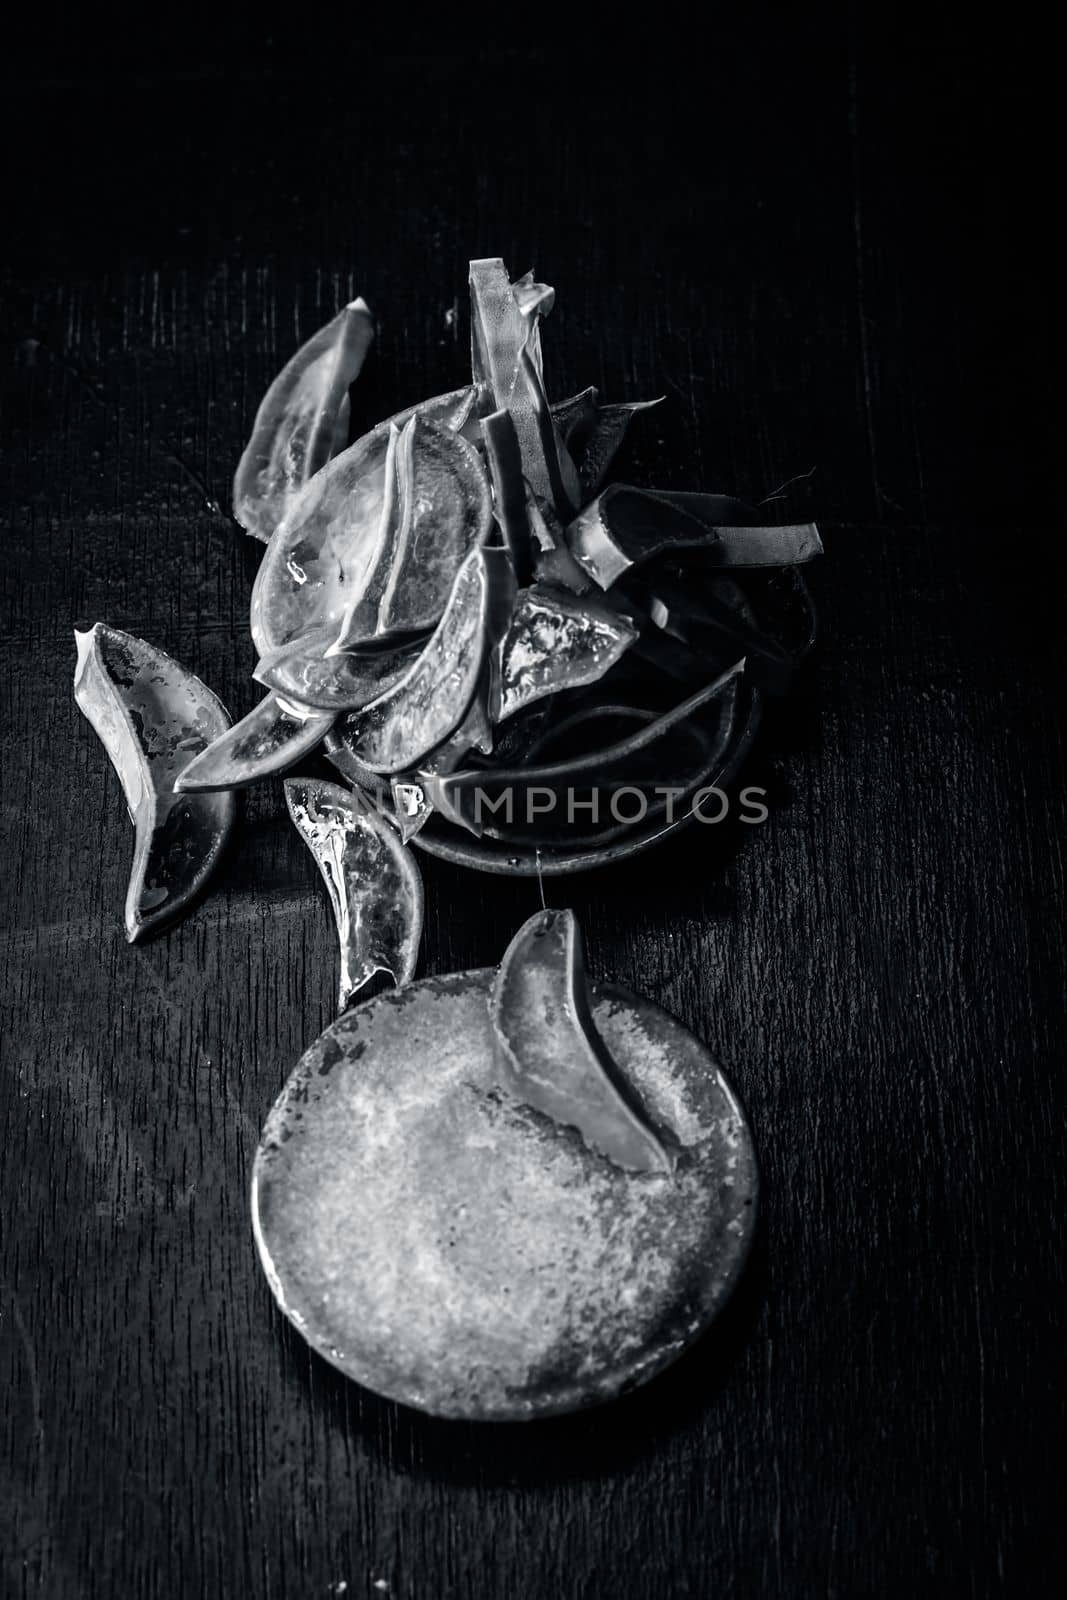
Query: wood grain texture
[814,242]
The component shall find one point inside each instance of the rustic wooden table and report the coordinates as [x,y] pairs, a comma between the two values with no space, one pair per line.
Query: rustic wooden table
[815,243]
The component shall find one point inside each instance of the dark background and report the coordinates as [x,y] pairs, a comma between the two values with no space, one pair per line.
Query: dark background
[826,240]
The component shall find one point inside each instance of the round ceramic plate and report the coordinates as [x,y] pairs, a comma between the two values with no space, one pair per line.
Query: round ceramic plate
[451,1248]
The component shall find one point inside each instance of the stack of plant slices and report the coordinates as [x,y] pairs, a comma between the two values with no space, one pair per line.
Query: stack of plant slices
[453,601]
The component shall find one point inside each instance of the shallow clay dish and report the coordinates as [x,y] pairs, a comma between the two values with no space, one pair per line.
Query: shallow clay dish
[451,1248]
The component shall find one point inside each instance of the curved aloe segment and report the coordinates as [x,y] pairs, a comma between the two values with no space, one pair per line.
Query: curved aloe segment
[302,421]
[595,440]
[550,1055]
[600,445]
[506,357]
[509,489]
[303,672]
[575,415]
[327,543]
[436,507]
[152,716]
[553,562]
[555,641]
[268,740]
[791,544]
[374,885]
[593,433]
[411,807]
[504,318]
[337,749]
[395,732]
[624,527]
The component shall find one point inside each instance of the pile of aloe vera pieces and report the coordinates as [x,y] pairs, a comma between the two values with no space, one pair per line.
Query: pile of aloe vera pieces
[436,603]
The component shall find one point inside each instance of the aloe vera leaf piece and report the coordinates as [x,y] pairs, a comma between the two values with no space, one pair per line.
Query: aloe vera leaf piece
[268,740]
[396,490]
[575,414]
[303,672]
[714,510]
[500,328]
[374,885]
[443,508]
[411,801]
[593,433]
[339,439]
[553,562]
[338,751]
[300,420]
[555,641]
[506,356]
[597,448]
[546,460]
[412,807]
[550,1055]
[786,546]
[509,489]
[326,544]
[743,541]
[457,794]
[417,714]
[625,526]
[532,297]
[152,715]
[475,732]
[534,300]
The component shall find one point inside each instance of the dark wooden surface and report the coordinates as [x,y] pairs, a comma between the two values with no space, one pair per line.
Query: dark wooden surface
[824,245]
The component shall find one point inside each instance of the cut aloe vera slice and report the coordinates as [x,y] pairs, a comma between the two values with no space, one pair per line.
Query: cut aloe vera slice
[439,508]
[624,527]
[152,716]
[304,673]
[575,415]
[546,462]
[595,448]
[555,641]
[593,433]
[411,806]
[549,1053]
[302,421]
[395,732]
[509,489]
[373,882]
[506,357]
[475,732]
[267,741]
[326,545]
[340,755]
[553,562]
[503,317]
